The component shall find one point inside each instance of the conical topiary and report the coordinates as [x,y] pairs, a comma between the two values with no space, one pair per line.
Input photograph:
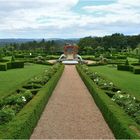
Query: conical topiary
[13,58]
[126,62]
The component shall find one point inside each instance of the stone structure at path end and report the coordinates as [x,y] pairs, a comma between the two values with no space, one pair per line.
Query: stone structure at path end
[70,55]
[70,50]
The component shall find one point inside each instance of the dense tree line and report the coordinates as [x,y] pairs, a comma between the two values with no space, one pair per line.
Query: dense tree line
[115,41]
[50,46]
[87,45]
[33,45]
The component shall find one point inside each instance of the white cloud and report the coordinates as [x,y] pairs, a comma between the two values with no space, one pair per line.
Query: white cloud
[121,14]
[26,13]
[124,10]
[54,18]
[121,6]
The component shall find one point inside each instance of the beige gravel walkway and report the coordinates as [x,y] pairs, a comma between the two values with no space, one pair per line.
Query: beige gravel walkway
[71,112]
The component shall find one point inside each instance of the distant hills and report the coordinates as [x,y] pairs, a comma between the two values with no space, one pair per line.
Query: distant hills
[4,42]
[8,41]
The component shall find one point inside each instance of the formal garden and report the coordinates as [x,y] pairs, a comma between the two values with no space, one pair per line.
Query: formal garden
[28,77]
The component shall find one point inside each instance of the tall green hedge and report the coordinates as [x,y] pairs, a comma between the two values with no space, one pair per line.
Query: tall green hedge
[18,64]
[136,70]
[132,68]
[21,127]
[11,65]
[3,67]
[123,67]
[121,124]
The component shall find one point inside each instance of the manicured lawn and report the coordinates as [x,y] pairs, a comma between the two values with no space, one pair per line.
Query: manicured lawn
[12,79]
[126,80]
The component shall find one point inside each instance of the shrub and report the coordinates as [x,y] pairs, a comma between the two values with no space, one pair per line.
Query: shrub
[1,56]
[32,86]
[129,103]
[117,119]
[137,117]
[139,60]
[123,67]
[121,57]
[1,103]
[131,68]
[126,62]
[49,57]
[97,64]
[18,64]
[3,67]
[136,70]
[88,57]
[23,123]
[6,115]
[9,66]
[15,99]
[19,56]
[115,62]
[135,64]
[13,58]
[4,60]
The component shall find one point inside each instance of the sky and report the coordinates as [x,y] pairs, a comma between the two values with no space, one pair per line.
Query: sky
[68,18]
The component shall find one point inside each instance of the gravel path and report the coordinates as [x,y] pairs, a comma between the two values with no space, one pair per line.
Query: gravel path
[71,112]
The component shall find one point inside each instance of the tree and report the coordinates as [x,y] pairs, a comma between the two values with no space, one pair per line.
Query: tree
[88,50]
[88,41]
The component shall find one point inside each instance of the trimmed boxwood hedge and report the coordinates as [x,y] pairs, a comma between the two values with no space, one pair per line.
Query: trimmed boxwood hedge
[44,63]
[21,127]
[116,57]
[19,56]
[121,124]
[49,57]
[18,64]
[123,67]
[135,64]
[134,69]
[3,67]
[11,65]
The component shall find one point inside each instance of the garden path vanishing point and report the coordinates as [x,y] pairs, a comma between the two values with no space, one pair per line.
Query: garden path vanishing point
[71,112]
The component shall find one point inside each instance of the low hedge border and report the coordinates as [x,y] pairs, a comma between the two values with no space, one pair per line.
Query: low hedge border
[44,63]
[96,64]
[132,68]
[21,127]
[121,124]
[11,65]
[3,67]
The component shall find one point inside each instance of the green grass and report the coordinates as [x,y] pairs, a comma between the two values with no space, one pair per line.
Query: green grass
[125,80]
[12,79]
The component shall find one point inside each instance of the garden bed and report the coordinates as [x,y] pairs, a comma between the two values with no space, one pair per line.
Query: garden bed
[20,111]
[108,98]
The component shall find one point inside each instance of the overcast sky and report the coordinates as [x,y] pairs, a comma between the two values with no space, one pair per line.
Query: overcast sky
[68,18]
